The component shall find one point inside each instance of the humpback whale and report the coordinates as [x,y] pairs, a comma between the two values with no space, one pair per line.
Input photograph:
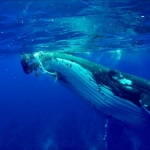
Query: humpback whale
[115,94]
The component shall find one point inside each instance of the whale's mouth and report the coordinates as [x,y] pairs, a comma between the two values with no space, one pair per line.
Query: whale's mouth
[28,63]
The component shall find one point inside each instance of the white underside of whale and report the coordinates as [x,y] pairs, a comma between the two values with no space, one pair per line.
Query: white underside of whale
[104,100]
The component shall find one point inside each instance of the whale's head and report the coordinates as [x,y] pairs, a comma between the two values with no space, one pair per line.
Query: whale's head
[28,63]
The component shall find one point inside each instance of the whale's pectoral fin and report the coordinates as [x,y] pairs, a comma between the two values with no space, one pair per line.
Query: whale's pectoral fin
[145,102]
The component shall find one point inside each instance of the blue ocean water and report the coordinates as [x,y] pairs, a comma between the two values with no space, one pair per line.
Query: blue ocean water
[37,113]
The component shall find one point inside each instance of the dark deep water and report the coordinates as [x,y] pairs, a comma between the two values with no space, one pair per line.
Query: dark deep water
[37,113]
